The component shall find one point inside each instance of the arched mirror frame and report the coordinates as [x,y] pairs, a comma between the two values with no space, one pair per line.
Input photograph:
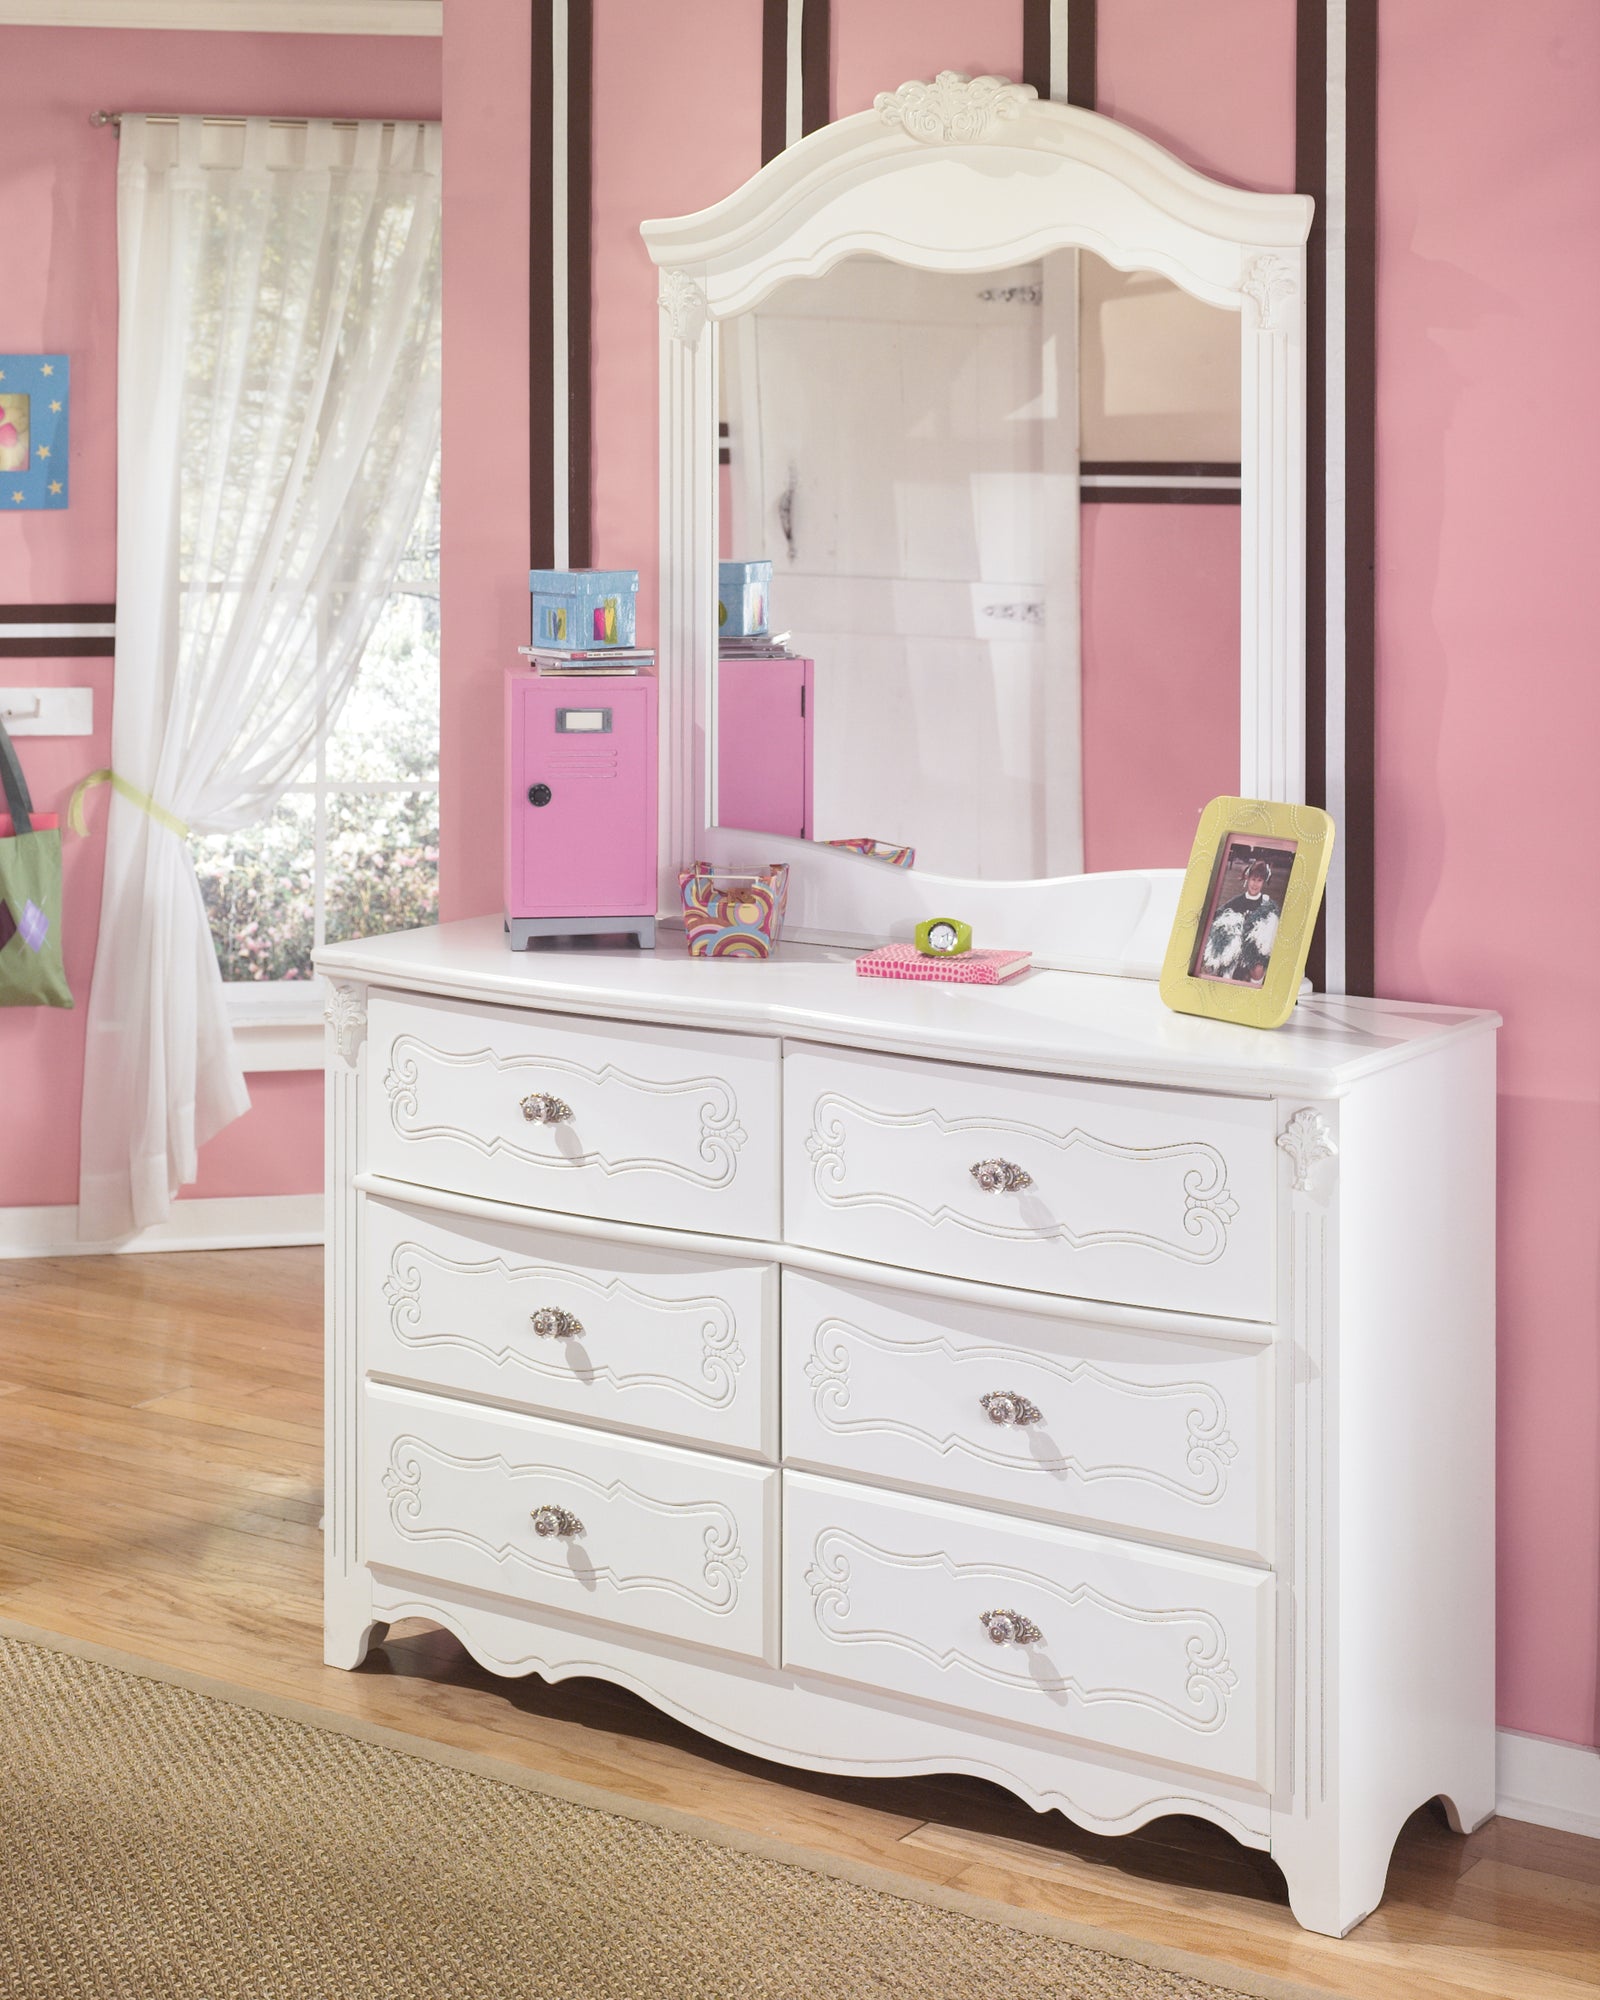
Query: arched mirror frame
[966,175]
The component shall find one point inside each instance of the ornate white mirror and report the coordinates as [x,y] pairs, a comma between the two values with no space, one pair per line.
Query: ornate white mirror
[906,363]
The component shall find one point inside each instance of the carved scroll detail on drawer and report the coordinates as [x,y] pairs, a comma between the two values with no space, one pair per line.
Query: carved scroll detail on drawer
[1201,1203]
[721,1358]
[1184,1649]
[1122,1427]
[1189,1419]
[720,1134]
[431,1499]
[1127,1646]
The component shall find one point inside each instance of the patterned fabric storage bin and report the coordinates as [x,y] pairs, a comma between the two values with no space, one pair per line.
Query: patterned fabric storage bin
[733,915]
[744,599]
[577,609]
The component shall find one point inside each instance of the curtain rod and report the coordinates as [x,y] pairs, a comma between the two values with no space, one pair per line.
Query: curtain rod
[171,118]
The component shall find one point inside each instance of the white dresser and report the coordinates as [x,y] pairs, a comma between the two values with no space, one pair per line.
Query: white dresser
[898,1378]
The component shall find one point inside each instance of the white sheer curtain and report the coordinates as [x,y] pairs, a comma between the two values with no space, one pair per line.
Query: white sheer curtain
[278,413]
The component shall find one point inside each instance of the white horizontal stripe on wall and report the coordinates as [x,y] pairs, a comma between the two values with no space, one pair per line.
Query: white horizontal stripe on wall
[8,630]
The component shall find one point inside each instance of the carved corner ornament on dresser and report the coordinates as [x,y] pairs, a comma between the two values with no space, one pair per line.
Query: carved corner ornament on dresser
[1307,1140]
[346,1015]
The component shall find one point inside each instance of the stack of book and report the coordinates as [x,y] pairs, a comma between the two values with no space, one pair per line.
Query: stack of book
[591,660]
[968,968]
[762,646]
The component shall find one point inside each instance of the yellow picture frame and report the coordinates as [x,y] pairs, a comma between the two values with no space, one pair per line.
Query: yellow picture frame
[1237,953]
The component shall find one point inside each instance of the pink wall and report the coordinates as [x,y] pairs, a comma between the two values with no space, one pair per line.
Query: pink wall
[275,1149]
[1489,713]
[1488,625]
[879,44]
[1214,83]
[58,226]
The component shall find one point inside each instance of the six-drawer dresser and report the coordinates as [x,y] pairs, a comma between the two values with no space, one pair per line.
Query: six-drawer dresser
[1028,1382]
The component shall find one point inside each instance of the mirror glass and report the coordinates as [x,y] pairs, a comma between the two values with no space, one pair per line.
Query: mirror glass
[1002,515]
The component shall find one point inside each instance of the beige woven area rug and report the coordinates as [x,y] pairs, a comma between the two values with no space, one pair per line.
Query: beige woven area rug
[162,1838]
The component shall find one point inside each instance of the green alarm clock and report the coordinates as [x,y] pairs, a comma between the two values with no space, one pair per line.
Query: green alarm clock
[944,937]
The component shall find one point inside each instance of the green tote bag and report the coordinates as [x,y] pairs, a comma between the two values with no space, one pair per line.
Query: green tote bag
[31,972]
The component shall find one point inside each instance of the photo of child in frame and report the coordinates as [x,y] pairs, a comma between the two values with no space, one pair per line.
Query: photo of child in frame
[1240,927]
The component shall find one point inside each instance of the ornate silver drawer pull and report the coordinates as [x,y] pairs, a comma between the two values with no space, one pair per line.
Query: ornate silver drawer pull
[542,1109]
[552,1520]
[1010,1628]
[1010,1406]
[552,1322]
[1000,1176]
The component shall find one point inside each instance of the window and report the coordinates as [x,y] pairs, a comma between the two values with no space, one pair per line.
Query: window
[352,849]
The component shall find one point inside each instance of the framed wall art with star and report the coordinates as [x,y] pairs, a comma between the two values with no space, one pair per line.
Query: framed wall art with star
[35,401]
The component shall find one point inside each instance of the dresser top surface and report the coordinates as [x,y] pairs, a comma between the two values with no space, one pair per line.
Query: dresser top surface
[1061,1022]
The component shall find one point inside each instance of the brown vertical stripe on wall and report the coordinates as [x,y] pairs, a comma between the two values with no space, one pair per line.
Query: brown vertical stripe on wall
[1036,44]
[816,65]
[1083,40]
[580,233]
[1311,177]
[541,300]
[774,77]
[1359,833]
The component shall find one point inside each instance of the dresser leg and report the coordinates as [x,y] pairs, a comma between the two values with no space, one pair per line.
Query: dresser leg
[1468,1807]
[1331,1899]
[1336,1866]
[347,1632]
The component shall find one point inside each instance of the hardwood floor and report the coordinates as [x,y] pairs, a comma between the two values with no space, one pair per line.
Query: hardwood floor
[160,1434]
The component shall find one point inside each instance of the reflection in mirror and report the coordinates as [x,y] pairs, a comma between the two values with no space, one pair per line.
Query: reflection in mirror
[1002,514]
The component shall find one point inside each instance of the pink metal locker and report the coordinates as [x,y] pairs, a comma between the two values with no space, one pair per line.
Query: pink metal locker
[580,806]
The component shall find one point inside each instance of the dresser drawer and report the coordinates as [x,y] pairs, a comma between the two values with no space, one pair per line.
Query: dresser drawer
[675,1543]
[654,1341]
[630,1122]
[1145,1431]
[1104,1191]
[1138,1650]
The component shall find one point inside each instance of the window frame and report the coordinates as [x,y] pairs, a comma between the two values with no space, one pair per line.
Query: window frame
[278,1023]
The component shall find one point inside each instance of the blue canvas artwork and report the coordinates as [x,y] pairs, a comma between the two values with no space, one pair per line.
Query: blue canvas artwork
[35,400]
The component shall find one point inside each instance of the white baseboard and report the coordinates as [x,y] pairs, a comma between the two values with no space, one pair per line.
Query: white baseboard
[244,1222]
[1547,1783]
